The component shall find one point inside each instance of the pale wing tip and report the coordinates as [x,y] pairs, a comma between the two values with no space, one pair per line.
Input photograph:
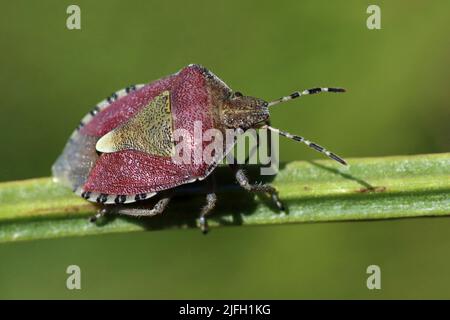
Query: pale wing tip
[105,144]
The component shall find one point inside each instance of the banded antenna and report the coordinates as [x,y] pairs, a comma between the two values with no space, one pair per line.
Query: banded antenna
[310,144]
[298,94]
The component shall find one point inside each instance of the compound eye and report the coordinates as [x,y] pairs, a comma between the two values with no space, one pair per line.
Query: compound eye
[238,94]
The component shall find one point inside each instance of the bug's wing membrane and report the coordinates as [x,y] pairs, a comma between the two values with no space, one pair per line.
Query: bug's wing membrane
[72,167]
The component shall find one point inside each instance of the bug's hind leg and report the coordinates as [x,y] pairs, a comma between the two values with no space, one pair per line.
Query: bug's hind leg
[158,208]
[244,182]
[211,200]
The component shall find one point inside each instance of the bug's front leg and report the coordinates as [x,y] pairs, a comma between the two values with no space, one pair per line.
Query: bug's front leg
[158,208]
[244,182]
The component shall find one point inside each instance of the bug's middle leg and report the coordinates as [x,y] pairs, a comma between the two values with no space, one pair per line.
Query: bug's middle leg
[158,208]
[211,200]
[244,182]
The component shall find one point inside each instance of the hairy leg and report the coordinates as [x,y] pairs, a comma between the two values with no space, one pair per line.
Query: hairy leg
[244,182]
[158,208]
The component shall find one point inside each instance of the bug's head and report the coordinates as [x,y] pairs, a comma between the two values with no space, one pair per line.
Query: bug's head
[244,112]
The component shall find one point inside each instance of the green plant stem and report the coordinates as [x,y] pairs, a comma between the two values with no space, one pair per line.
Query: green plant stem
[313,191]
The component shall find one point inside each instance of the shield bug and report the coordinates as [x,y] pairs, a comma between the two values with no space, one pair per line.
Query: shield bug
[123,150]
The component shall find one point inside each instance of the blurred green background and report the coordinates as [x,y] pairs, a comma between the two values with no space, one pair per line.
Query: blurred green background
[397,103]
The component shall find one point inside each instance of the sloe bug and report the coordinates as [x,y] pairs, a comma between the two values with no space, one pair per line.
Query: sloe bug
[121,151]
